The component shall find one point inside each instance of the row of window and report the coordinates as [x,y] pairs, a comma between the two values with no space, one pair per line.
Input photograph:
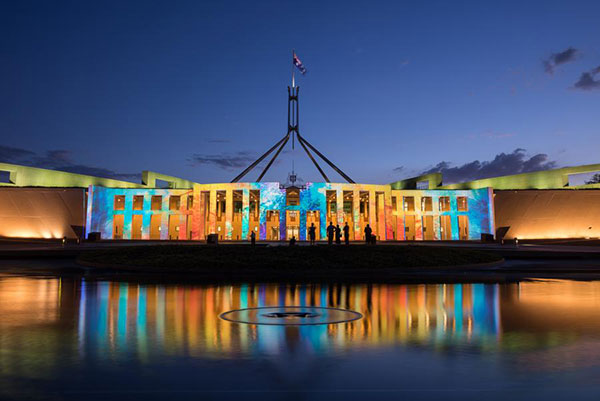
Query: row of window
[427,204]
[155,202]
[408,203]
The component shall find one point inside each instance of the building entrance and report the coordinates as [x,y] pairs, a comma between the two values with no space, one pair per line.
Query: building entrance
[313,217]
[445,228]
[409,227]
[463,227]
[118,220]
[174,227]
[292,224]
[272,225]
[428,232]
[136,226]
[155,222]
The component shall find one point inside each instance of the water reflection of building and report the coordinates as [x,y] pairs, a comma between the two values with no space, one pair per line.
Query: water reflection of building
[186,319]
[45,320]
[553,312]
[37,328]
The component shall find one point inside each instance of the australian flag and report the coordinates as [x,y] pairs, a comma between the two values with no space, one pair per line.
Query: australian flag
[299,64]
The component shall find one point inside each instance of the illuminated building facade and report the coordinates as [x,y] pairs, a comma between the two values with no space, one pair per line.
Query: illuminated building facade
[38,203]
[274,212]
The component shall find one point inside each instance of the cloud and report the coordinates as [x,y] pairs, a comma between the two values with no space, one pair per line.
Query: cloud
[503,164]
[98,172]
[226,161]
[489,134]
[233,161]
[499,135]
[557,59]
[14,155]
[398,169]
[587,81]
[58,159]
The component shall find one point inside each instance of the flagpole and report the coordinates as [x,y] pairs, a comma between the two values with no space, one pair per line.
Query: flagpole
[293,54]
[293,86]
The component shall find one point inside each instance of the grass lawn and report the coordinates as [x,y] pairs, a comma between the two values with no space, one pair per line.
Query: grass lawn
[244,258]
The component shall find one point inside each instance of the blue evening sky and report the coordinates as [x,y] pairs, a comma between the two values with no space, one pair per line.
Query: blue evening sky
[189,87]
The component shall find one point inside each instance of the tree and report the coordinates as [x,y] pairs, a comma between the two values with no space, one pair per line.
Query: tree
[594,180]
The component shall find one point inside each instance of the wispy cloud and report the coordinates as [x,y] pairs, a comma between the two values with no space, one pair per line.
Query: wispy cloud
[587,80]
[492,135]
[556,59]
[515,162]
[14,155]
[226,161]
[58,159]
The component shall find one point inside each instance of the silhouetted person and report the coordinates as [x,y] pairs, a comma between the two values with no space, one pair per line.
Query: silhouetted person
[347,234]
[330,231]
[252,238]
[368,232]
[338,234]
[312,233]
[293,241]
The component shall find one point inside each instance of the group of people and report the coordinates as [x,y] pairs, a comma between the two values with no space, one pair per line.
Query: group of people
[332,231]
[336,231]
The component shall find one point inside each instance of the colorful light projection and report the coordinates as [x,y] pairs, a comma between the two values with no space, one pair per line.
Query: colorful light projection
[41,320]
[101,211]
[387,222]
[185,320]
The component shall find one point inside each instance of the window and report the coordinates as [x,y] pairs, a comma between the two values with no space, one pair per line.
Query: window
[427,204]
[423,184]
[5,177]
[409,204]
[138,202]
[119,202]
[292,196]
[174,202]
[156,202]
[461,204]
[444,203]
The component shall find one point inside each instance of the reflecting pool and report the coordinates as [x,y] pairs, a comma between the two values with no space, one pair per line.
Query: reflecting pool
[68,338]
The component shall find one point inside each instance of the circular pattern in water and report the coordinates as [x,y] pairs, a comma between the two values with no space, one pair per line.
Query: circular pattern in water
[290,315]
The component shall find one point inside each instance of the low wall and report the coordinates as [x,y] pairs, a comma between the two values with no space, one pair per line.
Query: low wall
[532,214]
[42,212]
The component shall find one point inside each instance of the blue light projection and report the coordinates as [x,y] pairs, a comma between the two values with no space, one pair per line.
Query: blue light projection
[202,216]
